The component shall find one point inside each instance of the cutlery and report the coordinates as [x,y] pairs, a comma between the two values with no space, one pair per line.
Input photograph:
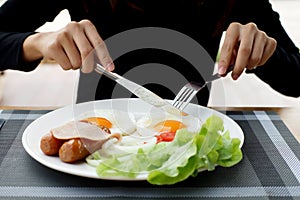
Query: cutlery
[189,90]
[140,91]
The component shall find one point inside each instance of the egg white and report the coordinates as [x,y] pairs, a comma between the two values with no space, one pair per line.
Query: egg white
[145,124]
[123,122]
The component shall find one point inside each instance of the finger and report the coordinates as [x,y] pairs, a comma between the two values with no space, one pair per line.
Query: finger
[257,50]
[86,51]
[104,57]
[244,51]
[70,49]
[269,50]
[97,43]
[58,54]
[228,47]
[62,59]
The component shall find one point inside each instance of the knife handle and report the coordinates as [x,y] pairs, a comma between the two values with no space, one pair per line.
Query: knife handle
[101,70]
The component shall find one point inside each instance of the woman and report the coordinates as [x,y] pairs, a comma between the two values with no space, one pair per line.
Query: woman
[255,39]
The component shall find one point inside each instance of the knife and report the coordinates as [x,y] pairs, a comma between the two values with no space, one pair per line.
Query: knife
[140,91]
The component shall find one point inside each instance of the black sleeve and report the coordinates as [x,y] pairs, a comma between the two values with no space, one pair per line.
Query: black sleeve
[11,50]
[19,19]
[282,70]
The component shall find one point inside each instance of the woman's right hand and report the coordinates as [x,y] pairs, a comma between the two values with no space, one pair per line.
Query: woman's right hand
[69,47]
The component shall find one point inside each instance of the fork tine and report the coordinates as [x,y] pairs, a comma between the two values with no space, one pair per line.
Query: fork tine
[179,95]
[185,99]
[183,94]
[175,101]
[186,94]
[188,99]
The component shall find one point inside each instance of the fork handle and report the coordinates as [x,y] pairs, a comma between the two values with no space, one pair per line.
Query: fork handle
[217,75]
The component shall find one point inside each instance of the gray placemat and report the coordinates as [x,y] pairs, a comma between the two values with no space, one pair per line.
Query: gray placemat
[270,168]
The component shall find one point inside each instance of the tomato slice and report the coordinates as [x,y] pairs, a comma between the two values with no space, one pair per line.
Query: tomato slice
[165,137]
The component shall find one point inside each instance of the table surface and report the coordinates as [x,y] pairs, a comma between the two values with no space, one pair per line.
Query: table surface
[289,115]
[269,169]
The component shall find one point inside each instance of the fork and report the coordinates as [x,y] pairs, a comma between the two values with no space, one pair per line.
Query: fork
[189,90]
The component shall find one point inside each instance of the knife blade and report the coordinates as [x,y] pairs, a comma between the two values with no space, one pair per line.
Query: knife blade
[140,91]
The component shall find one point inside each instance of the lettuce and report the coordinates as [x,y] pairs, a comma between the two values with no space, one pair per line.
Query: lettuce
[171,162]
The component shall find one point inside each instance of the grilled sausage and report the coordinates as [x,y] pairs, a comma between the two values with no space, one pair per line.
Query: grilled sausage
[79,148]
[73,150]
[50,145]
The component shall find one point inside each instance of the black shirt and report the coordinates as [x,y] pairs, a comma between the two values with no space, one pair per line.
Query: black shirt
[201,20]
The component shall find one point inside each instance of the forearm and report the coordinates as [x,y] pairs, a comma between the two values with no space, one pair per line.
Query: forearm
[19,19]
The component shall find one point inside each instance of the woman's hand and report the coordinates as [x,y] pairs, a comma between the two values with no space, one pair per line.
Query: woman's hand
[69,47]
[246,47]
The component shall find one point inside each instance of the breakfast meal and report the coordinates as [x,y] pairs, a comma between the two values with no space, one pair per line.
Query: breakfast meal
[166,148]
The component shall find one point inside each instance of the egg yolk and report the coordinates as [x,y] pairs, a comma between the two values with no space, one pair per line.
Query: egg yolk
[169,126]
[100,121]
[167,130]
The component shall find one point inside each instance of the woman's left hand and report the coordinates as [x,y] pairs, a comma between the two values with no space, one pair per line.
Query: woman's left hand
[246,47]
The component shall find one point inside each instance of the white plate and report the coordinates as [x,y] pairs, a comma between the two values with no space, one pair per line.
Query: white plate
[33,133]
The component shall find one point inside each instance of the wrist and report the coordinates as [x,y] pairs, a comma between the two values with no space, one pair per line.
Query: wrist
[31,51]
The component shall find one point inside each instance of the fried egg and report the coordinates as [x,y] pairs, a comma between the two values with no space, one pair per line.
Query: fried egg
[154,124]
[117,121]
